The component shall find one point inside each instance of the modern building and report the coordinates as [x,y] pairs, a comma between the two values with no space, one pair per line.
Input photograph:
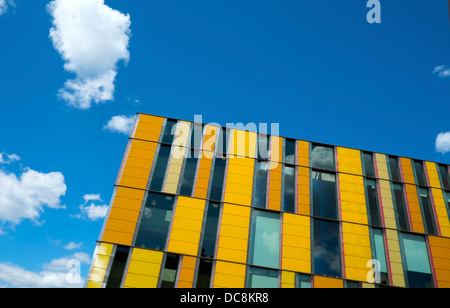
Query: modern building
[199,205]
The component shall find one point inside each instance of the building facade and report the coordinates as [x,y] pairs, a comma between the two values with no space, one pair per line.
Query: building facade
[203,206]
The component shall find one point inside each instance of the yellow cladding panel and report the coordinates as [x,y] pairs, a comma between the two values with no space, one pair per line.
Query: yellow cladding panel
[441,212]
[234,230]
[100,262]
[303,191]
[243,143]
[440,253]
[296,244]
[387,204]
[229,275]
[357,251]
[303,153]
[203,174]
[349,161]
[414,208]
[407,170]
[274,189]
[432,173]
[185,237]
[148,127]
[187,272]
[381,164]
[276,149]
[287,279]
[327,282]
[353,199]
[138,163]
[143,270]
[239,181]
[209,138]
[393,254]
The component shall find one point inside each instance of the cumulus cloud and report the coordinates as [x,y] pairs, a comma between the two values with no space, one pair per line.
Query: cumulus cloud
[27,196]
[443,142]
[441,71]
[92,39]
[58,273]
[90,210]
[120,124]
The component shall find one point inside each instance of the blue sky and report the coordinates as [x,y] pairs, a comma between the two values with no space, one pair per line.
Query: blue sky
[317,68]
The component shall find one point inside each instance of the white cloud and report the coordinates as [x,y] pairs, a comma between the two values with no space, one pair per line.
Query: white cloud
[72,246]
[92,211]
[443,142]
[8,158]
[120,124]
[4,5]
[441,71]
[91,38]
[59,273]
[27,196]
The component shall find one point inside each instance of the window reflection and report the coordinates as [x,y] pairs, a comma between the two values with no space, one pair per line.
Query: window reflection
[418,267]
[159,171]
[262,278]
[289,151]
[322,157]
[259,193]
[430,224]
[394,169]
[326,251]
[400,208]
[420,174]
[372,202]
[289,189]
[445,178]
[324,195]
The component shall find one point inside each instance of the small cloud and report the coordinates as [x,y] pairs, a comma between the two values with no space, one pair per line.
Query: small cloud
[8,158]
[441,71]
[92,39]
[443,142]
[92,211]
[72,246]
[120,124]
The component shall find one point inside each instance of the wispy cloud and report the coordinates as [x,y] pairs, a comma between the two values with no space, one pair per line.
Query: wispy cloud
[8,158]
[91,38]
[4,4]
[120,124]
[443,142]
[441,71]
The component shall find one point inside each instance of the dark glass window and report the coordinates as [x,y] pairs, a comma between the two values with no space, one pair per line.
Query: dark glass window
[263,146]
[289,189]
[169,131]
[210,230]
[400,208]
[302,281]
[204,273]
[155,221]
[188,177]
[445,178]
[259,194]
[117,267]
[196,136]
[169,273]
[159,172]
[415,254]
[379,254]
[420,173]
[222,144]
[322,157]
[289,151]
[447,200]
[369,169]
[394,169]
[427,209]
[372,203]
[349,284]
[326,253]
[262,278]
[324,195]
[218,178]
[264,246]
